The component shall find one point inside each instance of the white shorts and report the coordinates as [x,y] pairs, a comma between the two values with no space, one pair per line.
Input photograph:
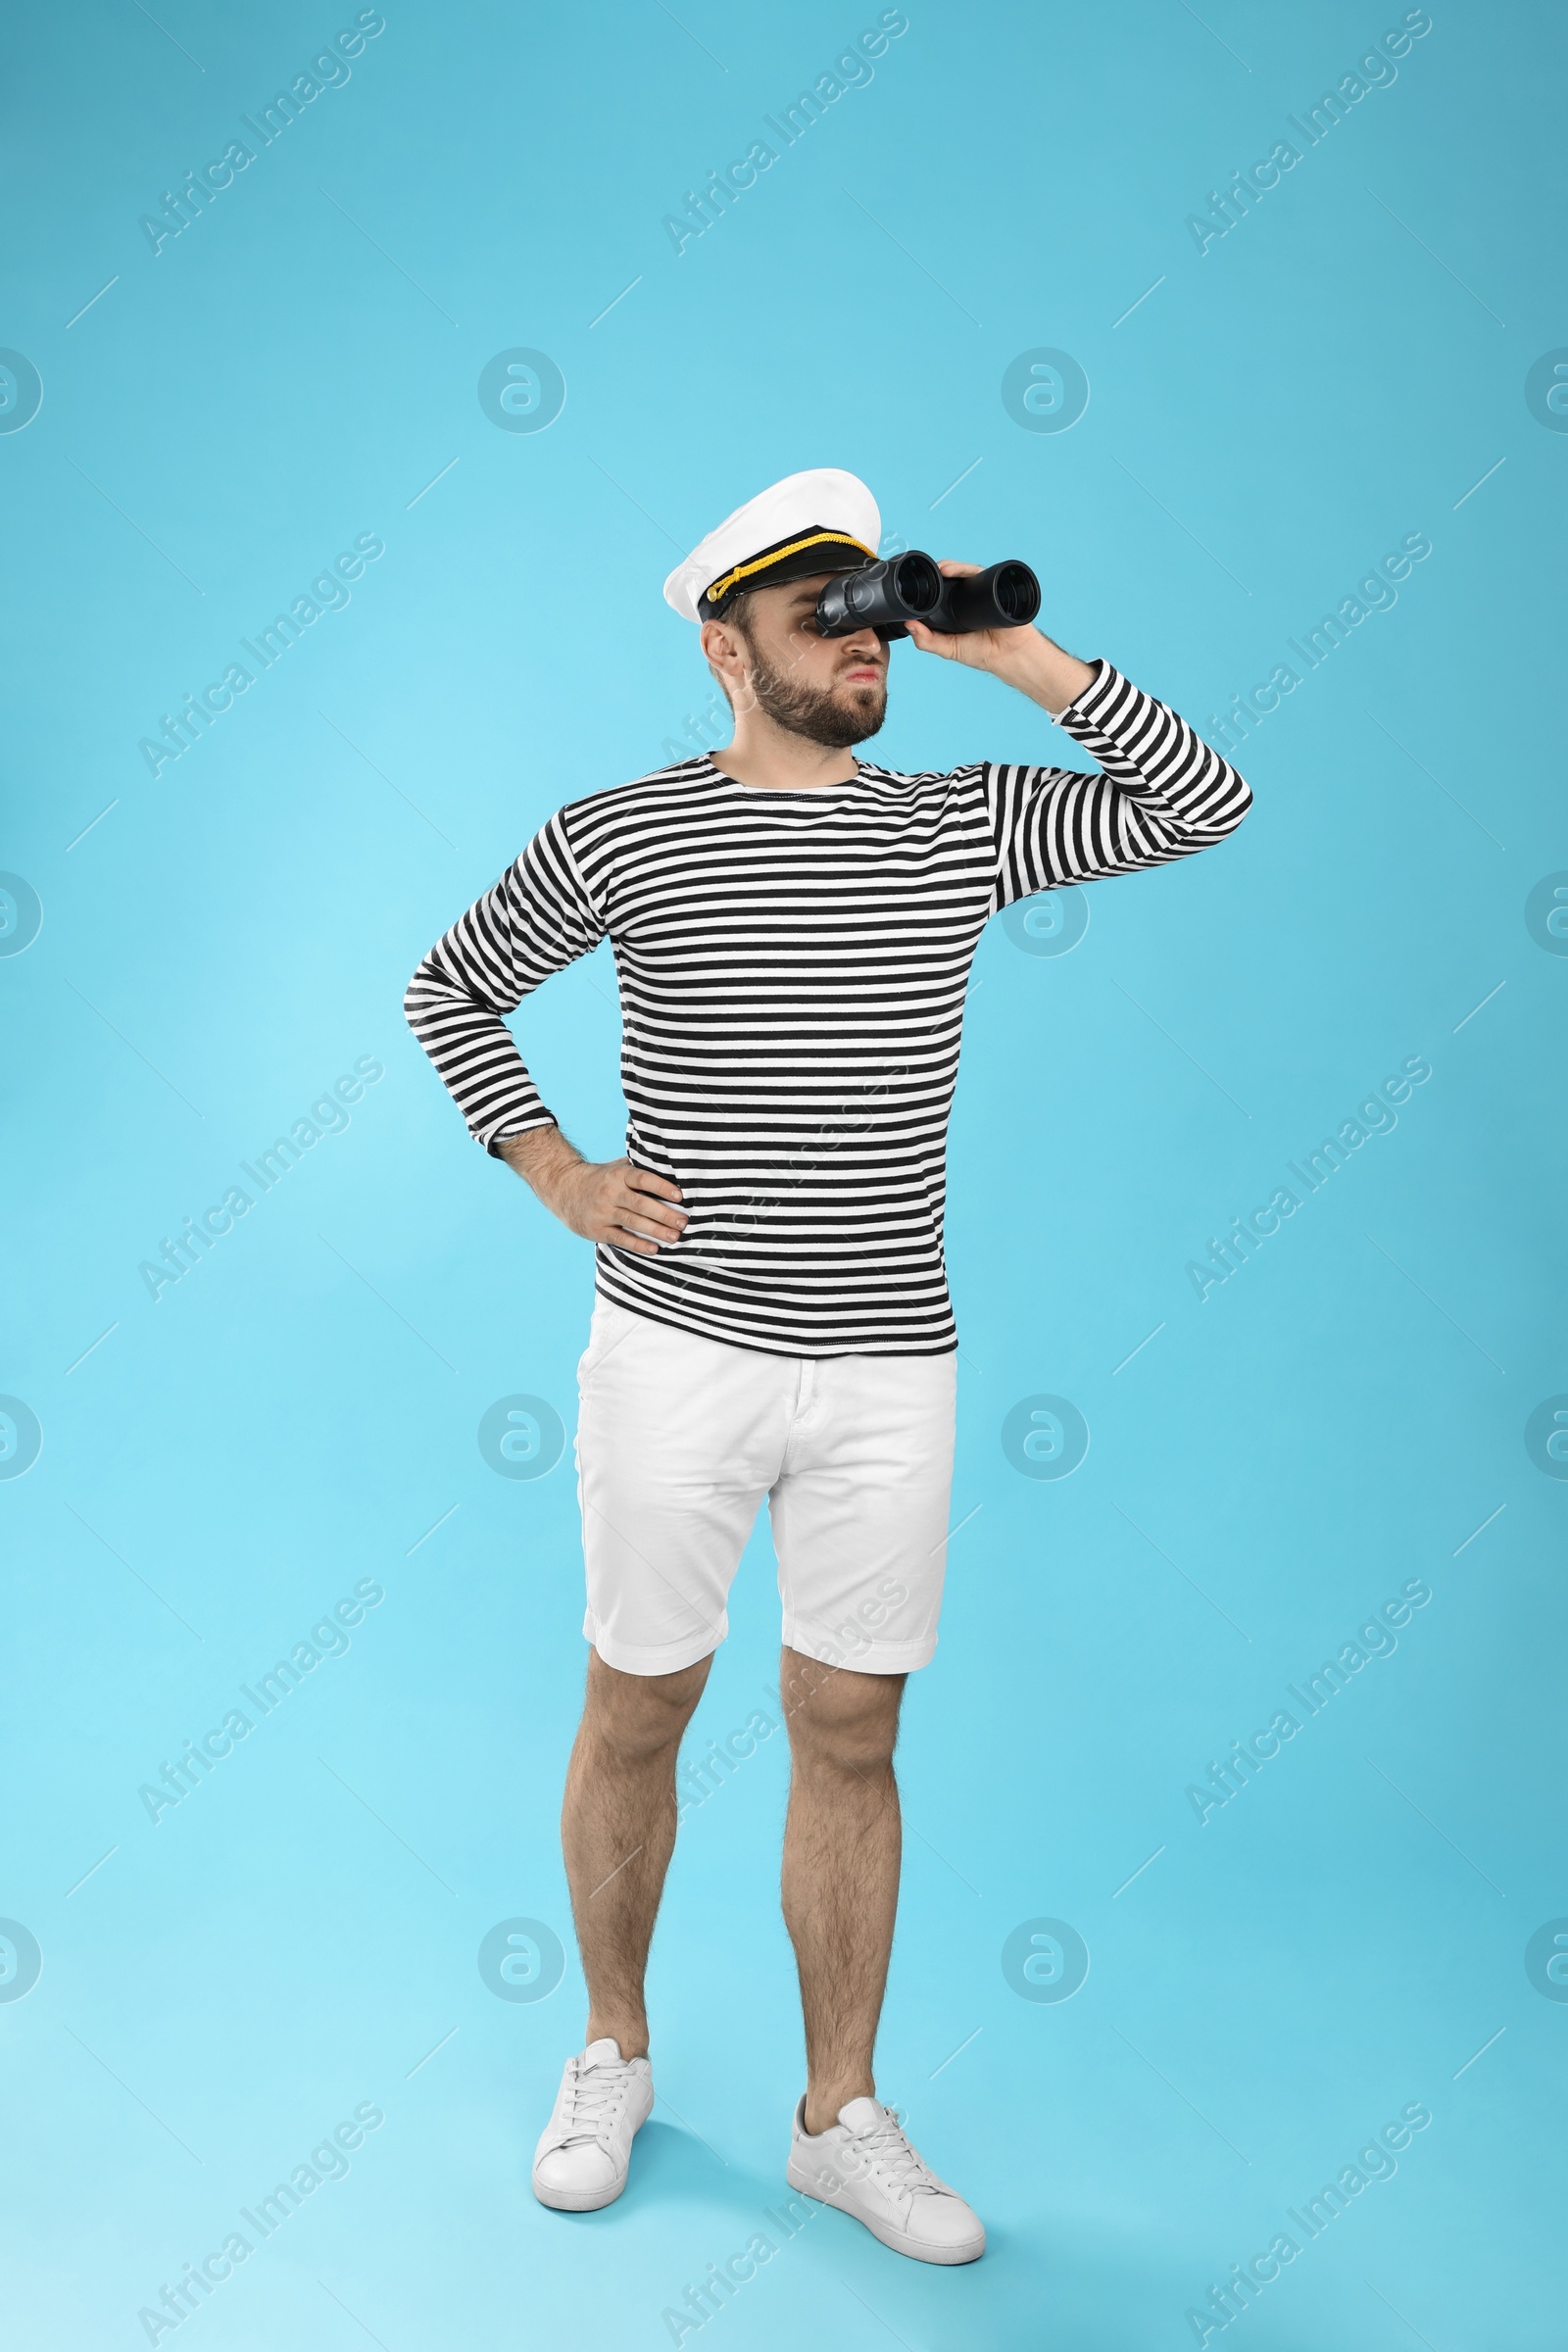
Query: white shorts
[678,1440]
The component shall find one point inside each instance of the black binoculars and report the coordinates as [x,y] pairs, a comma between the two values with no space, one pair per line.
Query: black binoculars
[883,595]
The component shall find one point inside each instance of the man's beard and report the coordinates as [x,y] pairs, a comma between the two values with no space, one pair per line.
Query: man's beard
[818,713]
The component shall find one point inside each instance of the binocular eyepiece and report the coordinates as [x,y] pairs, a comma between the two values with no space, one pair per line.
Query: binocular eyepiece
[884,596]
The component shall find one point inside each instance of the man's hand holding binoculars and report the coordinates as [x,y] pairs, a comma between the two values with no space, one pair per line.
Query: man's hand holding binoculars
[1024,657]
[979,616]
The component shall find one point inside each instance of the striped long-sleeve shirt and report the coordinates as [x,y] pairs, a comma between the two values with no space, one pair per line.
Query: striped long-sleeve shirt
[793,968]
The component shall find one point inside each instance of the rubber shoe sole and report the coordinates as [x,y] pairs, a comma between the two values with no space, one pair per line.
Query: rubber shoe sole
[897,2241]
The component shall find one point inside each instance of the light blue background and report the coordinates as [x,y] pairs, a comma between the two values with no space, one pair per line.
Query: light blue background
[293,1940]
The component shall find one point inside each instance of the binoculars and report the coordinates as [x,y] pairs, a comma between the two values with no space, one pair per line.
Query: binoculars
[883,595]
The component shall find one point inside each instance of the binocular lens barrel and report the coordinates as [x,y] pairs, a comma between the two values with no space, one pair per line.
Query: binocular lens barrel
[1007,597]
[883,595]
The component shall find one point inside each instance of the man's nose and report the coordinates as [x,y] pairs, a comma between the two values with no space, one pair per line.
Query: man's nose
[863,642]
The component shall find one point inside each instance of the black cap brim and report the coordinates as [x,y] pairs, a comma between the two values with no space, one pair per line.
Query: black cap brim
[802,556]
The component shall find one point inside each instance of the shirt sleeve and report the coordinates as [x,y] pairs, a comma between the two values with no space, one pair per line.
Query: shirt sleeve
[539,918]
[1161,792]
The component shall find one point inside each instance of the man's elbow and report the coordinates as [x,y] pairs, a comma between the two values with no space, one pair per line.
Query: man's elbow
[1244,801]
[1233,799]
[416,996]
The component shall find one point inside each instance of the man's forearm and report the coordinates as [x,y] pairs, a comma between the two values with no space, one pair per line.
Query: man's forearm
[541,1157]
[1039,668]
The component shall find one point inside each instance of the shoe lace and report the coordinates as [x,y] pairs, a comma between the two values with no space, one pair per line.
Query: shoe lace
[593,2093]
[882,2148]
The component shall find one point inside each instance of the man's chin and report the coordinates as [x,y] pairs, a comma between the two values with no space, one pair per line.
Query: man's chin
[864,708]
[836,718]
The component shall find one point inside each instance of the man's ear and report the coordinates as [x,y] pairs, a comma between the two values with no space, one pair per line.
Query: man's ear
[716,643]
[724,650]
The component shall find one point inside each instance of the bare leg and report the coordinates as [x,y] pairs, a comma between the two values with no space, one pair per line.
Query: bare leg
[842,1845]
[617,1830]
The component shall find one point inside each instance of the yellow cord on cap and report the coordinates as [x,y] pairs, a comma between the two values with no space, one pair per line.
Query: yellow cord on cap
[723,587]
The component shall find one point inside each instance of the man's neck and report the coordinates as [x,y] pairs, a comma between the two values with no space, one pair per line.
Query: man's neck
[772,758]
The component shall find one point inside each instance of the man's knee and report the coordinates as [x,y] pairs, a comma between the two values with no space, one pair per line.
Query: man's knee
[840,1717]
[640,1714]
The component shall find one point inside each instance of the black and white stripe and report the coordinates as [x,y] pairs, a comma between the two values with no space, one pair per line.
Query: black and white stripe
[793,968]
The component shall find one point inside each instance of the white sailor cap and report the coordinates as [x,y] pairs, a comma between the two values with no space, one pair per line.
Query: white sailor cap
[822,520]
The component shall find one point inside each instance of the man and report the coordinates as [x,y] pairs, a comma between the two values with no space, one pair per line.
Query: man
[793,929]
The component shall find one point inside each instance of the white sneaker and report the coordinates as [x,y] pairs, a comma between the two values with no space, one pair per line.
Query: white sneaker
[585,2148]
[865,2167]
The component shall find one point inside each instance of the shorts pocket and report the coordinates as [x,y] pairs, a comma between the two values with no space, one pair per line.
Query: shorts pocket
[607,1329]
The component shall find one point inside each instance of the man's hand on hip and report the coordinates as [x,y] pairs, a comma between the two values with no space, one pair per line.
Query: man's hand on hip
[604,1201]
